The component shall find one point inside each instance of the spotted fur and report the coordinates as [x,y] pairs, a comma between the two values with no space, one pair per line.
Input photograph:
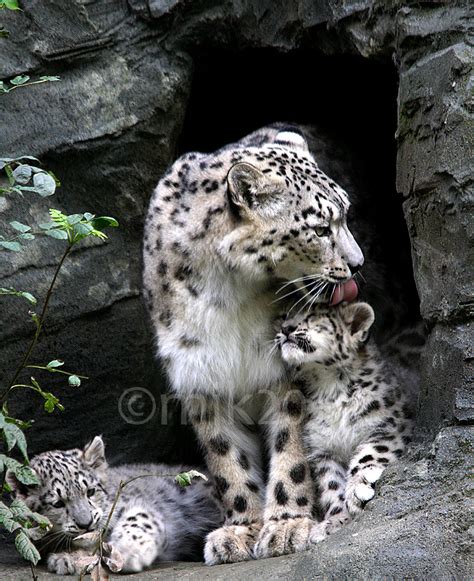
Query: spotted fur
[358,413]
[155,519]
[222,232]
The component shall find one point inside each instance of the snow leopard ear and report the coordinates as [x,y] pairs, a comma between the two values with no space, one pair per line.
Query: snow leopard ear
[359,317]
[94,453]
[292,138]
[247,187]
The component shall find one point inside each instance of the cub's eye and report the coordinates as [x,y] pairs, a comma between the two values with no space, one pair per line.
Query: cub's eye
[90,492]
[322,231]
[59,504]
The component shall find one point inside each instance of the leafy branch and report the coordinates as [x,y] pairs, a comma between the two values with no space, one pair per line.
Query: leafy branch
[24,81]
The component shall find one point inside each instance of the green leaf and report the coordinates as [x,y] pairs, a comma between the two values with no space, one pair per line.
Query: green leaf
[88,216]
[29,297]
[11,525]
[74,381]
[19,226]
[11,291]
[11,245]
[104,221]
[20,79]
[26,475]
[50,79]
[183,479]
[22,174]
[10,4]
[47,225]
[13,436]
[56,233]
[74,218]
[55,363]
[44,184]
[5,512]
[19,509]
[26,236]
[26,548]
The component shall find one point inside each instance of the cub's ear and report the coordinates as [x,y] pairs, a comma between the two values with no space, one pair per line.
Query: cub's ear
[19,489]
[359,317]
[94,453]
[292,138]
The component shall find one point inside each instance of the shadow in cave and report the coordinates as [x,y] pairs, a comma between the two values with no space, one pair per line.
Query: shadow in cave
[351,105]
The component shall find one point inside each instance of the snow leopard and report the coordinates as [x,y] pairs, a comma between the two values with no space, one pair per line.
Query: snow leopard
[359,415]
[155,519]
[223,232]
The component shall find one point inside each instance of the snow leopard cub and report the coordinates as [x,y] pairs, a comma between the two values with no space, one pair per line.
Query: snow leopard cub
[358,415]
[155,519]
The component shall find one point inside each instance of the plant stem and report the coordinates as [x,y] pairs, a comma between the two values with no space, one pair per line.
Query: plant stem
[33,572]
[54,370]
[39,325]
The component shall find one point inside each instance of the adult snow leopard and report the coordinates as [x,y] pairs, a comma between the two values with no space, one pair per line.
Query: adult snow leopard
[359,413]
[223,231]
[155,519]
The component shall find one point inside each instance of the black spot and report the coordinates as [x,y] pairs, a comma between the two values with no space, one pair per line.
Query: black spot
[307,211]
[381,449]
[252,486]
[383,460]
[183,272]
[280,494]
[302,501]
[335,510]
[219,445]
[282,439]
[293,407]
[333,485]
[298,473]
[365,459]
[222,486]
[240,504]
[372,407]
[189,341]
[244,461]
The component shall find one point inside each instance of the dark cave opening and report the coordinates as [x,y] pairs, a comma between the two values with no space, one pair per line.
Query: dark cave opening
[352,103]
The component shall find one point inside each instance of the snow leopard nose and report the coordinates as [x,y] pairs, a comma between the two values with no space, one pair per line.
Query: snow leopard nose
[84,523]
[288,329]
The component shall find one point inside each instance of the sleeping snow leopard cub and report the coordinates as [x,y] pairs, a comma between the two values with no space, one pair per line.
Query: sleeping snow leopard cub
[358,415]
[155,519]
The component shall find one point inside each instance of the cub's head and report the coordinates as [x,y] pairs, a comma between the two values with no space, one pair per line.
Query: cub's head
[327,336]
[71,490]
[290,218]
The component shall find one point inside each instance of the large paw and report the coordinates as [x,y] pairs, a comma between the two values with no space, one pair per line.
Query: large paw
[327,527]
[61,564]
[361,488]
[230,544]
[282,537]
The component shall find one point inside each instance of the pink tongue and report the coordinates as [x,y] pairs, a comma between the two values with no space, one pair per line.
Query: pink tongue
[345,292]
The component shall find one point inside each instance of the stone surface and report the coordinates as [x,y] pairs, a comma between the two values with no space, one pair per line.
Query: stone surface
[110,127]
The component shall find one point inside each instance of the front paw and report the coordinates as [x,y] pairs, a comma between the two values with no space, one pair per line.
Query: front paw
[61,564]
[231,544]
[361,488]
[282,537]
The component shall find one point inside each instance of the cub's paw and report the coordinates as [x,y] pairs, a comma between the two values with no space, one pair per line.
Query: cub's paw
[231,544]
[61,564]
[137,554]
[361,488]
[282,537]
[322,530]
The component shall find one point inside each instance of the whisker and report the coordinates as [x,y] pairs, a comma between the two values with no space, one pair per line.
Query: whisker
[301,278]
[302,298]
[295,291]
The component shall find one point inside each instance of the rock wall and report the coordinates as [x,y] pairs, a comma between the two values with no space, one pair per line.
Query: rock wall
[109,128]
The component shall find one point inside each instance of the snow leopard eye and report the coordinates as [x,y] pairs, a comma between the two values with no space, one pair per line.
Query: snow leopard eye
[90,492]
[322,231]
[59,504]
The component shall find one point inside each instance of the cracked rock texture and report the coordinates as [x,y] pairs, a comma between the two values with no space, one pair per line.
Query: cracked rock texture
[110,127]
